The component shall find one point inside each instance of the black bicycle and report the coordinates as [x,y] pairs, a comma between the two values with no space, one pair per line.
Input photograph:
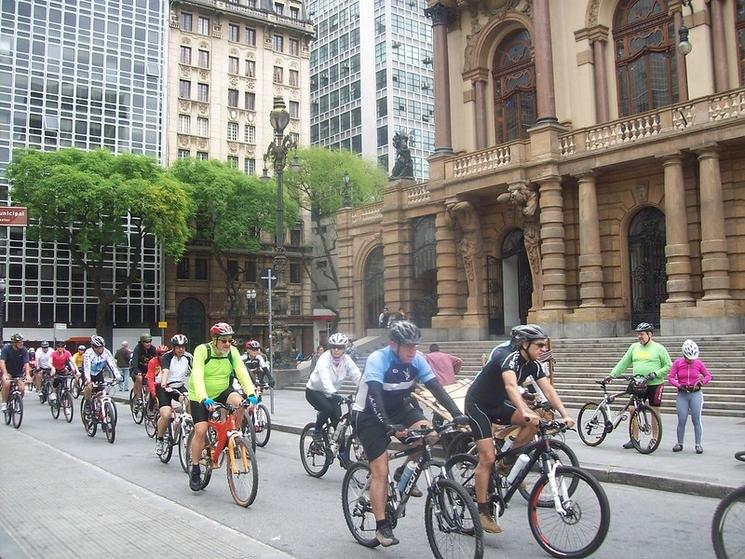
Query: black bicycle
[728,525]
[100,409]
[568,510]
[14,406]
[451,519]
[61,399]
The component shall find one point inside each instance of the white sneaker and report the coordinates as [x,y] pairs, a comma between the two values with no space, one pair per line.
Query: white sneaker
[158,448]
[3,407]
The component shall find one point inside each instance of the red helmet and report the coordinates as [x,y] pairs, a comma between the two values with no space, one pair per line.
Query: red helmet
[221,329]
[253,344]
[161,349]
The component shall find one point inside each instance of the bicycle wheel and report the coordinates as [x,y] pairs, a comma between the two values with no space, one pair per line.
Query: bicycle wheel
[243,473]
[591,423]
[316,458]
[16,409]
[727,534]
[581,526]
[44,394]
[460,468]
[68,406]
[205,462]
[75,389]
[7,412]
[355,502]
[151,417]
[459,443]
[165,455]
[740,456]
[86,416]
[647,421]
[109,422]
[54,406]
[183,449]
[262,424]
[451,522]
[136,407]
[562,454]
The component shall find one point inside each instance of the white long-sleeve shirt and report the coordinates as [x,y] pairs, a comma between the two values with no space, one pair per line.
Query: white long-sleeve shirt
[93,363]
[327,377]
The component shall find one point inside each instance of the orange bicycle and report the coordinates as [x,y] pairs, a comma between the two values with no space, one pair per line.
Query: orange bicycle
[224,439]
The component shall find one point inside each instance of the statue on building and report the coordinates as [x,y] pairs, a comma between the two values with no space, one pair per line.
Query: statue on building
[471,248]
[532,241]
[404,167]
[522,195]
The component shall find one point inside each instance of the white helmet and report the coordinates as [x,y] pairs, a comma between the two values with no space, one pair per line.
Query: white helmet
[690,349]
[338,340]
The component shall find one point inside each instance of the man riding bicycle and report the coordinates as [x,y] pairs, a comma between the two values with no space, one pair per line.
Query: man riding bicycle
[43,366]
[95,361]
[257,365]
[14,364]
[141,356]
[383,408]
[495,397]
[211,381]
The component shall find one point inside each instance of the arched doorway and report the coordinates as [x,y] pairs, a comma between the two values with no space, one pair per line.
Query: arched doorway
[647,266]
[373,282]
[424,271]
[190,318]
[517,281]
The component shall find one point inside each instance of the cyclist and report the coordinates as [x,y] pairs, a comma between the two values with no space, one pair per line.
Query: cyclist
[14,363]
[495,397]
[689,374]
[141,356]
[43,366]
[257,365]
[647,359]
[324,382]
[382,408]
[175,367]
[96,359]
[62,364]
[78,357]
[210,381]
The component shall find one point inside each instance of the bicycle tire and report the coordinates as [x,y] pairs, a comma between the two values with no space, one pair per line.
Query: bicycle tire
[356,504]
[645,418]
[460,468]
[315,461]
[54,407]
[449,511]
[136,407]
[68,406]
[205,462]
[732,505]
[89,422]
[109,422]
[167,451]
[246,473]
[183,450]
[16,406]
[75,389]
[151,417]
[740,456]
[593,498]
[459,443]
[561,449]
[7,412]
[591,431]
[262,425]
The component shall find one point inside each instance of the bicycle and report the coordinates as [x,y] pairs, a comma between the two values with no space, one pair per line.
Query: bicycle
[137,404]
[451,519]
[103,411]
[61,399]
[46,385]
[179,427]
[224,439]
[593,423]
[151,412]
[727,535]
[76,386]
[14,406]
[568,492]
[343,443]
[262,421]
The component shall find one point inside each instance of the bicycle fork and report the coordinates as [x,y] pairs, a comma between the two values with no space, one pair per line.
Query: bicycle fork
[231,457]
[559,491]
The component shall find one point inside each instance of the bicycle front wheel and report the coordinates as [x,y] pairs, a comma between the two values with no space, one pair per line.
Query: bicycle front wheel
[460,468]
[561,453]
[109,421]
[86,416]
[54,406]
[205,462]
[75,389]
[452,522]
[262,424]
[16,409]
[356,504]
[151,417]
[591,423]
[727,532]
[314,455]
[136,407]
[243,473]
[576,525]
[646,423]
[183,449]
[167,452]
[68,406]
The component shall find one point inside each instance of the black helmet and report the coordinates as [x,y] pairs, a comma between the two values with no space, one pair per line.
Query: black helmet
[405,332]
[527,333]
[644,327]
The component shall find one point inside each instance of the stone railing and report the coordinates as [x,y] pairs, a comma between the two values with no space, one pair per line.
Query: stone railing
[418,194]
[370,212]
[478,162]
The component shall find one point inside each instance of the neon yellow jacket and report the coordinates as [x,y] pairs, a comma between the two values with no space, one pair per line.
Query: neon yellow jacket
[210,373]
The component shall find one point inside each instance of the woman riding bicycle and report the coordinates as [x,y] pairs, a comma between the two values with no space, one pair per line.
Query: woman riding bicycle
[324,382]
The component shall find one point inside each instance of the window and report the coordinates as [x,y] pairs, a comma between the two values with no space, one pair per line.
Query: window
[295,305]
[204,59]
[184,124]
[294,273]
[250,68]
[200,267]
[184,153]
[249,167]
[233,64]
[383,136]
[203,126]
[250,101]
[186,21]
[233,131]
[279,43]
[182,270]
[233,161]
[294,78]
[184,89]
[294,109]
[250,134]
[232,270]
[203,26]
[185,57]
[278,74]
[251,36]
[279,8]
[250,272]
[203,156]
[232,97]
[514,89]
[294,47]
[203,92]
[294,13]
[234,32]
[296,236]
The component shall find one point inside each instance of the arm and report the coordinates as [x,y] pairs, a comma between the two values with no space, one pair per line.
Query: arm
[665,362]
[553,397]
[4,370]
[443,397]
[513,393]
[241,374]
[87,362]
[457,364]
[152,368]
[197,372]
[672,376]
[625,362]
[704,374]
[324,375]
[375,399]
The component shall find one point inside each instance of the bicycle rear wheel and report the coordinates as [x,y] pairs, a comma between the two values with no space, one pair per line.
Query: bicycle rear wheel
[54,406]
[68,406]
[75,389]
[460,468]
[86,416]
[315,457]
[243,473]
[581,526]
[262,424]
[7,412]
[183,449]
[647,421]
[452,522]
[15,405]
[167,452]
[205,462]
[136,407]
[727,534]
[591,423]
[355,502]
[565,456]
[151,417]
[109,422]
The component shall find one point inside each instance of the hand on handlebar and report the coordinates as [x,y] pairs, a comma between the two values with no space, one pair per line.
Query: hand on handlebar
[208,403]
[397,430]
[569,420]
[253,400]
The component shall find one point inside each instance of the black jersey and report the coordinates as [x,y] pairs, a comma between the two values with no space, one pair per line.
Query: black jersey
[488,389]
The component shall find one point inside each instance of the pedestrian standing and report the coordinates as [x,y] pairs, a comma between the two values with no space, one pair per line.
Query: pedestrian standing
[122,358]
[444,365]
[383,318]
[689,375]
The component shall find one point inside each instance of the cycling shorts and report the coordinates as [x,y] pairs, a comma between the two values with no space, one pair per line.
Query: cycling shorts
[166,397]
[372,433]
[199,413]
[654,394]
[481,417]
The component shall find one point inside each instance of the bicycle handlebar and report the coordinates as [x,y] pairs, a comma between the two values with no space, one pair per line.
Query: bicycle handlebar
[414,435]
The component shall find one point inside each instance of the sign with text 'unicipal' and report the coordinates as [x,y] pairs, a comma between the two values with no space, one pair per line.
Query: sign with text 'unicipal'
[13,215]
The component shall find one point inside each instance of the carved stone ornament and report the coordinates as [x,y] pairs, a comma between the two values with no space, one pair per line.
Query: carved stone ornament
[250,85]
[173,19]
[250,152]
[250,117]
[642,191]
[217,31]
[202,143]
[294,65]
[232,114]
[204,45]
[294,92]
[184,70]
[233,80]
[279,62]
[251,55]
[232,147]
[532,241]
[186,40]
[203,108]
[522,195]
[204,74]
[184,106]
[470,244]
[183,141]
[234,52]
[592,13]
[294,125]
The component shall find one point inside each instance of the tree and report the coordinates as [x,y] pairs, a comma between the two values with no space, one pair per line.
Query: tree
[82,198]
[319,187]
[230,210]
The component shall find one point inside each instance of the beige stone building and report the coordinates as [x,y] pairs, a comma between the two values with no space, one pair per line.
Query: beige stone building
[226,63]
[589,174]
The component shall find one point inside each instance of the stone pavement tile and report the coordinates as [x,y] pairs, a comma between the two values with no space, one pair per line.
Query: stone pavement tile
[46,494]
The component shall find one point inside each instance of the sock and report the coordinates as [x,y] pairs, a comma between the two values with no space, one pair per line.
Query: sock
[484,508]
[380,523]
[194,469]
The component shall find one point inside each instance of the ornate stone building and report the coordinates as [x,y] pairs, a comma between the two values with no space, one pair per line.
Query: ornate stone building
[588,175]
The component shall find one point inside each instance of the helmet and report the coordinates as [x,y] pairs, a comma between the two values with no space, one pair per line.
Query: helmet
[45,344]
[17,338]
[253,344]
[405,332]
[81,348]
[146,338]
[527,333]
[338,340]
[161,349]
[59,343]
[221,329]
[97,341]
[31,350]
[179,339]
[644,327]
[690,349]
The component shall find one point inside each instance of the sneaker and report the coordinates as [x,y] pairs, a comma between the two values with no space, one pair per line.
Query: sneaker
[4,407]
[195,481]
[628,445]
[488,524]
[159,447]
[699,449]
[385,536]
[678,447]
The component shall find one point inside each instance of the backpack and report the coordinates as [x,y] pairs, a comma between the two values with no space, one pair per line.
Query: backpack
[211,356]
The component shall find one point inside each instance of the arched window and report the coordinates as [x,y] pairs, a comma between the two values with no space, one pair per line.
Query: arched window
[514,87]
[374,297]
[740,28]
[646,74]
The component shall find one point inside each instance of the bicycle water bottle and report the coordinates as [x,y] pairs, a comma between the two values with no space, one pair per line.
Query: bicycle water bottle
[409,470]
[520,465]
[507,443]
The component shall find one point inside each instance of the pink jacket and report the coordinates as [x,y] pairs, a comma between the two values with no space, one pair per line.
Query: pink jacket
[684,373]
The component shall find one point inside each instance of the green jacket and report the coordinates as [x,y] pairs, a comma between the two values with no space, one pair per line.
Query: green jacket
[645,360]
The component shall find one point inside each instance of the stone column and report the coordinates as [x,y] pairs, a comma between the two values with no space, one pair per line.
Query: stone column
[590,260]
[719,49]
[479,97]
[680,59]
[447,270]
[440,14]
[714,259]
[677,249]
[544,65]
[552,243]
[599,40]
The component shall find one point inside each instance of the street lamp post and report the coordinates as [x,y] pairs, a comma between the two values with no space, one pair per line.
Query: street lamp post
[250,304]
[347,193]
[2,308]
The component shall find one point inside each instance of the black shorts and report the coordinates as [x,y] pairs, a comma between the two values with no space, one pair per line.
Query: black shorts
[134,372]
[166,397]
[199,413]
[654,394]
[372,432]
[481,417]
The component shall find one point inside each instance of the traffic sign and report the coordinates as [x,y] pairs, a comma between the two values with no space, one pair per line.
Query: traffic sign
[60,326]
[162,324]
[266,274]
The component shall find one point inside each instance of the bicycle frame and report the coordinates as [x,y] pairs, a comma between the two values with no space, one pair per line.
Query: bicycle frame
[608,399]
[226,433]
